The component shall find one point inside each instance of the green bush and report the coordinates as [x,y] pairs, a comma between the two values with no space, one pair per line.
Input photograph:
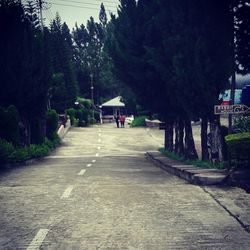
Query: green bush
[79,116]
[84,102]
[71,113]
[36,130]
[6,149]
[85,116]
[19,155]
[97,116]
[11,154]
[51,123]
[239,145]
[37,151]
[241,124]
[92,121]
[51,144]
[139,122]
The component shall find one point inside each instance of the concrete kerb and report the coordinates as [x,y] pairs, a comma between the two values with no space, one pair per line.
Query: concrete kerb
[188,172]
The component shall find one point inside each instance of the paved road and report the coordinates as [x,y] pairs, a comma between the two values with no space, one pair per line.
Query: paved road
[97,191]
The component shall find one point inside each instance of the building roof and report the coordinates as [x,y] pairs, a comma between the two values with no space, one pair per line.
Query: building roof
[115,102]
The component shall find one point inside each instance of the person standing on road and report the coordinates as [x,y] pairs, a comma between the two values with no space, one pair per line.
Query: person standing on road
[117,120]
[122,120]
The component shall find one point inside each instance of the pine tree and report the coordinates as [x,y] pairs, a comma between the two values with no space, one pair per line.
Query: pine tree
[24,75]
[64,84]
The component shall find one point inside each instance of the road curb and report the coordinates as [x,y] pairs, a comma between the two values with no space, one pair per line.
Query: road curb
[190,173]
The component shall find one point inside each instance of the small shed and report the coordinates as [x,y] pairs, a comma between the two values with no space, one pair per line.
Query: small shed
[112,107]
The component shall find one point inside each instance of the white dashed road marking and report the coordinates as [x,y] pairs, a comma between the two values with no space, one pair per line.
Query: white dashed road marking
[93,160]
[96,154]
[82,172]
[38,240]
[98,148]
[89,165]
[67,192]
[100,134]
[99,140]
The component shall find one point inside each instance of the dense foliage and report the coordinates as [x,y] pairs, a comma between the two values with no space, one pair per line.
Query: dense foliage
[51,124]
[241,124]
[41,68]
[177,57]
[241,10]
[12,154]
[167,57]
[239,146]
[139,121]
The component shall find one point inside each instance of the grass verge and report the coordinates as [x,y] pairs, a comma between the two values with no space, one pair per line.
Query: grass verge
[195,163]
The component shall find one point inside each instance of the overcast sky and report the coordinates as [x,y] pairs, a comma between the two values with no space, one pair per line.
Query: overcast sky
[72,11]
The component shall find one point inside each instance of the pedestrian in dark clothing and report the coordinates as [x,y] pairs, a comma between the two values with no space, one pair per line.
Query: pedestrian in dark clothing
[117,120]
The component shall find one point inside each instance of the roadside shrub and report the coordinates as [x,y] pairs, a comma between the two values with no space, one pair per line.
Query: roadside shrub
[36,129]
[11,154]
[37,151]
[51,123]
[19,155]
[241,124]
[2,122]
[6,149]
[97,116]
[239,145]
[71,113]
[139,122]
[85,102]
[79,116]
[92,121]
[85,116]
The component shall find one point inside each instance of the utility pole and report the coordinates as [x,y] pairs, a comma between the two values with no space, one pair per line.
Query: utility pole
[40,4]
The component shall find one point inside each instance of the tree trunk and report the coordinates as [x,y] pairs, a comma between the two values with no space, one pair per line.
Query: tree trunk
[190,151]
[204,146]
[216,142]
[179,135]
[25,133]
[169,136]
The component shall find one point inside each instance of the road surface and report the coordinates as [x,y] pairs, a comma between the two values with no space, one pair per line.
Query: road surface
[98,191]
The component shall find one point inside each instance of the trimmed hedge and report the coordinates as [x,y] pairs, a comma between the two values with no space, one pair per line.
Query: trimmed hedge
[51,123]
[139,122]
[242,124]
[11,154]
[239,145]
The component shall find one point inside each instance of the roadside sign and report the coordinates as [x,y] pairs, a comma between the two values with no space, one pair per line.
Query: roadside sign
[231,109]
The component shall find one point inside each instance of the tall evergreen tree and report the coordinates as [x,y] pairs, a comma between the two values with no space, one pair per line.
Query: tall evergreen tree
[24,75]
[175,52]
[64,85]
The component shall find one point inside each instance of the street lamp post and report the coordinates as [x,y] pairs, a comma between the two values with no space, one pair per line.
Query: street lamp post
[92,94]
